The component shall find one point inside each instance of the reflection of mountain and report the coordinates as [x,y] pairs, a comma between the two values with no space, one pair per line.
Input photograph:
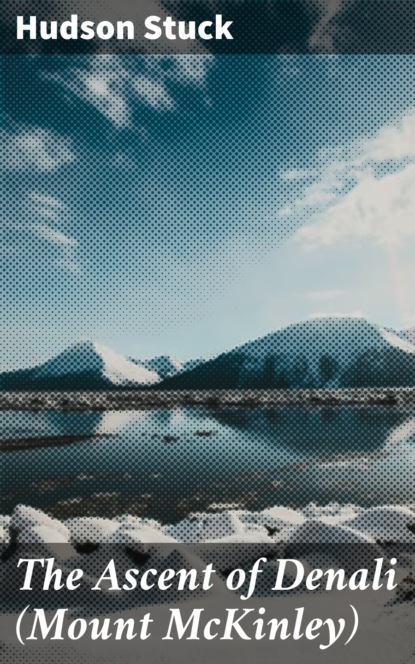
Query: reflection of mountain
[322,352]
[73,424]
[253,459]
[302,430]
[84,366]
[315,431]
[94,423]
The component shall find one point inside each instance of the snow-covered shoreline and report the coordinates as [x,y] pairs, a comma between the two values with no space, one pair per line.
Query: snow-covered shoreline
[333,523]
[111,402]
[387,621]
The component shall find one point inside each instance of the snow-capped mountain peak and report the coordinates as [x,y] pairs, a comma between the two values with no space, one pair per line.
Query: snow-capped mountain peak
[119,370]
[87,364]
[395,340]
[327,351]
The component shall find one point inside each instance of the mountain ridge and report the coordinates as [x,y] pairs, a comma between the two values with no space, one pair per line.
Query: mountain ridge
[84,365]
[320,352]
[323,352]
[167,366]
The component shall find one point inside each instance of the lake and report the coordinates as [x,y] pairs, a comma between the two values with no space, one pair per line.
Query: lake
[167,463]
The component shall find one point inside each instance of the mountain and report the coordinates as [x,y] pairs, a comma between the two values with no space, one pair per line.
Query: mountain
[167,366]
[84,366]
[409,334]
[164,366]
[320,352]
[192,364]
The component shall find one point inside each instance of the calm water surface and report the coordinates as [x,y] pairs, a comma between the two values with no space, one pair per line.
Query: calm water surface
[168,463]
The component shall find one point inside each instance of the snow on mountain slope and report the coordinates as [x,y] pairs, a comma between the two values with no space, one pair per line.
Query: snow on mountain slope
[395,340]
[98,359]
[85,365]
[319,352]
[342,337]
[408,334]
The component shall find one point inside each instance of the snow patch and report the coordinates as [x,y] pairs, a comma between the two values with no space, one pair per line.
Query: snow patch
[394,340]
[119,370]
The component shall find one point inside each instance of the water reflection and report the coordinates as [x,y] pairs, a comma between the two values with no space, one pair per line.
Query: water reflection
[315,431]
[167,463]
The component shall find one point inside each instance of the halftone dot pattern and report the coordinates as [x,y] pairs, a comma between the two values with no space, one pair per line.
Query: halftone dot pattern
[136,192]
[155,133]
[138,131]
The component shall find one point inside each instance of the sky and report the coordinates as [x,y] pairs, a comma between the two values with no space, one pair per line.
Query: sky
[184,204]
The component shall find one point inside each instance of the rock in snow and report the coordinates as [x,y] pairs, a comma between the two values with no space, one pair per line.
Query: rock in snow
[202,527]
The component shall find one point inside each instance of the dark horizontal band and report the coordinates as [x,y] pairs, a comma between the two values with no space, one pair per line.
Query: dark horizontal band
[203,26]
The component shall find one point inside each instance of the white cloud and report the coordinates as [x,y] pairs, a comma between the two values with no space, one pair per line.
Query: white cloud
[153,92]
[377,209]
[102,86]
[46,199]
[28,239]
[360,191]
[395,142]
[286,211]
[318,194]
[34,149]
[341,167]
[322,38]
[50,207]
[111,87]
[391,143]
[192,68]
[54,236]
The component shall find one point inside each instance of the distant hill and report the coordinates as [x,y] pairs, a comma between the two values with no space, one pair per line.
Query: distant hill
[409,334]
[166,366]
[84,366]
[321,352]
